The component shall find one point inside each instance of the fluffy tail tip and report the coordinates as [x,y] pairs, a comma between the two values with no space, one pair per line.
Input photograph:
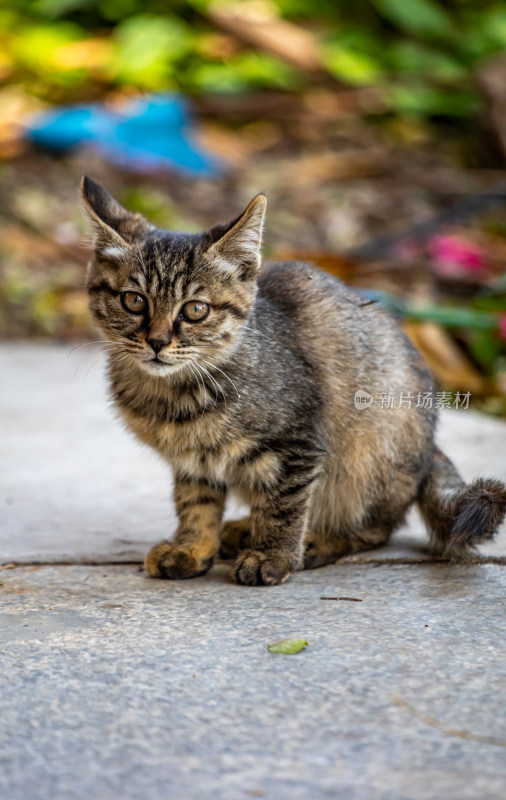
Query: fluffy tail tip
[480,510]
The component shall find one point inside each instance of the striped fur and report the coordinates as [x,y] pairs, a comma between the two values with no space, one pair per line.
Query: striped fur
[258,399]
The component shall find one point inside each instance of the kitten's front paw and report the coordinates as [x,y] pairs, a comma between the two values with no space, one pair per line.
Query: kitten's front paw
[166,560]
[254,568]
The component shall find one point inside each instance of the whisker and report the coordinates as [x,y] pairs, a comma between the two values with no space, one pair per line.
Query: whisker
[199,376]
[225,375]
[90,369]
[94,364]
[97,341]
[143,265]
[199,367]
[193,274]
[191,369]
[215,382]
[246,328]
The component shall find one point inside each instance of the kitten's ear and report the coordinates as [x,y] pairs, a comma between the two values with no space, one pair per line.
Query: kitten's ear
[114,226]
[238,243]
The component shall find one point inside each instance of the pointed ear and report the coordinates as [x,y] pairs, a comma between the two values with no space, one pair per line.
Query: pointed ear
[237,245]
[115,228]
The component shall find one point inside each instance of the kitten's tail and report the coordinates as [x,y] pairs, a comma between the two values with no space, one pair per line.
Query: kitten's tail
[459,515]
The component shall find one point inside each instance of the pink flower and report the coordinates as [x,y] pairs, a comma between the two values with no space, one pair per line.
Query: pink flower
[453,256]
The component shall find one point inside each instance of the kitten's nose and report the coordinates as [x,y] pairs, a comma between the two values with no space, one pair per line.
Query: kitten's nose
[158,344]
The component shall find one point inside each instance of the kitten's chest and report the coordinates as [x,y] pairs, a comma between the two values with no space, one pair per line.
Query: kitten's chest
[199,436]
[191,438]
[170,429]
[207,446]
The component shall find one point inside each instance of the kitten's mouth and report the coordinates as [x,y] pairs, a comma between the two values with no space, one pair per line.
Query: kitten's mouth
[156,366]
[157,363]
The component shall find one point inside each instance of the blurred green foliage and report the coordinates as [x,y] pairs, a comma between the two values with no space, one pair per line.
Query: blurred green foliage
[421,56]
[423,51]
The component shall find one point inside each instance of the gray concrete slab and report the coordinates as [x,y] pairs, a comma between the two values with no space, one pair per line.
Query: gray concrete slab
[113,685]
[74,486]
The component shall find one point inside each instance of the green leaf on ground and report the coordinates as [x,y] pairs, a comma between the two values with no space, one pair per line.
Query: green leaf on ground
[288,646]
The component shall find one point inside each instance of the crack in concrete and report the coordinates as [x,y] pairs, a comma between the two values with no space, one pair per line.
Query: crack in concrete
[435,723]
[363,561]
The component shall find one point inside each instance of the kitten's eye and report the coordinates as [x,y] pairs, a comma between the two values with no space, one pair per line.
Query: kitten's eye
[134,303]
[195,311]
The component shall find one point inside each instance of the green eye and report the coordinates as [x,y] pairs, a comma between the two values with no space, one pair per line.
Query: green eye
[195,311]
[134,303]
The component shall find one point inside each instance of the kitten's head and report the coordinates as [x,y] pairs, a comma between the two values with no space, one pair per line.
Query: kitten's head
[166,299]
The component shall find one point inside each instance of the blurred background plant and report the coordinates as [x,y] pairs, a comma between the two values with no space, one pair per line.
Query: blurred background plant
[361,121]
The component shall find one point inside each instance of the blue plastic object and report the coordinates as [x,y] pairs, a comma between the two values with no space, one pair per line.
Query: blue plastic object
[152,133]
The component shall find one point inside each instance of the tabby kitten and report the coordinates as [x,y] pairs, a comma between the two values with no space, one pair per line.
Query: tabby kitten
[243,377]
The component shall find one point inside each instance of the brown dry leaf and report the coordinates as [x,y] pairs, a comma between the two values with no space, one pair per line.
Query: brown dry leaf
[449,365]
[320,168]
[236,147]
[260,135]
[222,142]
[257,23]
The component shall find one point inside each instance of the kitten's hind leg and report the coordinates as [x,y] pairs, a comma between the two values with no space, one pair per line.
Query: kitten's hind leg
[234,537]
[324,548]
[321,549]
